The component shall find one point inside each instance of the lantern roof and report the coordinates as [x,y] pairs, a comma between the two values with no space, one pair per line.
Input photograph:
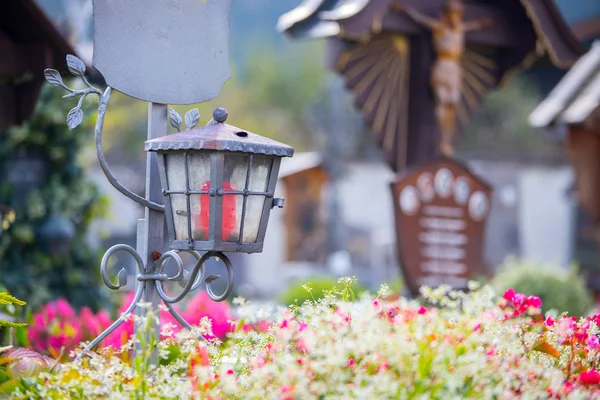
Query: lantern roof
[221,137]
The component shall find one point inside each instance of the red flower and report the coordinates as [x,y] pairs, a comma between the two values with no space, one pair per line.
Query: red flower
[198,358]
[591,377]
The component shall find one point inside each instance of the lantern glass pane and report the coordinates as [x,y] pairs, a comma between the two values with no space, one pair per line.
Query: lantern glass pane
[236,169]
[199,176]
[237,180]
[199,170]
[232,215]
[174,163]
[259,176]
[254,210]
[259,182]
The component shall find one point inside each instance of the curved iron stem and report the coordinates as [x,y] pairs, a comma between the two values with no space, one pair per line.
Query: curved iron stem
[178,316]
[104,164]
[115,325]
[209,279]
[122,274]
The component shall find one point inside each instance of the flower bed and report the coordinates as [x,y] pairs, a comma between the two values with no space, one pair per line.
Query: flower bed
[472,346]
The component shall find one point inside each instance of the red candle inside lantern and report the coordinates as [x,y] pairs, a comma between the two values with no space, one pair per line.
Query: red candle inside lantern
[228,227]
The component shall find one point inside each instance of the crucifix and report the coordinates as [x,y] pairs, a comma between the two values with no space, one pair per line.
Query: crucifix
[388,52]
[418,70]
[447,72]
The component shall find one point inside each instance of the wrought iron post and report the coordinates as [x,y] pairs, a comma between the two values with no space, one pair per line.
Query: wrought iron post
[154,222]
[131,59]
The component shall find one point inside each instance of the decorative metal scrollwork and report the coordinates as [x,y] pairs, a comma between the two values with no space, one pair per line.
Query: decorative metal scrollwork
[189,281]
[122,276]
[192,282]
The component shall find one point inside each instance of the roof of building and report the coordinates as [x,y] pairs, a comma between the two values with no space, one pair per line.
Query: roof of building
[23,21]
[299,163]
[575,97]
[329,18]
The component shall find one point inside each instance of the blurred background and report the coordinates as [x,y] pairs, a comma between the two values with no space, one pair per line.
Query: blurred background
[339,215]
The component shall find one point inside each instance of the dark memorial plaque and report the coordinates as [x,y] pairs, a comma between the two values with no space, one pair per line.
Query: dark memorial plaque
[441,209]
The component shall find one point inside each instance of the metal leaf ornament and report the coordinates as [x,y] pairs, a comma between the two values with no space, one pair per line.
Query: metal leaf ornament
[175,119]
[53,77]
[192,118]
[75,65]
[77,68]
[74,118]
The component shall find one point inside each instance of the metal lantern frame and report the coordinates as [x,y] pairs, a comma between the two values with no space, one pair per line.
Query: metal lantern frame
[218,140]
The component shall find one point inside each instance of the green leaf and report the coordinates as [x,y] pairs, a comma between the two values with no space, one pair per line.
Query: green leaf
[425,363]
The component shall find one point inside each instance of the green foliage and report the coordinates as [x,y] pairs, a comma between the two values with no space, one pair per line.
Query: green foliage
[271,94]
[7,300]
[29,269]
[317,288]
[563,291]
[500,124]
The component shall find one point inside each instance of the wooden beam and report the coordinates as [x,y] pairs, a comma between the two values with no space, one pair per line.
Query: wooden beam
[506,32]
[423,130]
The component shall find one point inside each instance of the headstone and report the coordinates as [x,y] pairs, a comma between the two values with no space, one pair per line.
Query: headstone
[441,209]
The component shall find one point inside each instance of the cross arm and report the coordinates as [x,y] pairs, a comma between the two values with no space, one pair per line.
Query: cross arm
[476,25]
[508,30]
[415,15]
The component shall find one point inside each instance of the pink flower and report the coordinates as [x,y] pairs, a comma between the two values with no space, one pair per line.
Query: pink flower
[422,310]
[593,342]
[534,302]
[549,321]
[64,309]
[302,326]
[509,295]
[218,313]
[590,377]
[351,362]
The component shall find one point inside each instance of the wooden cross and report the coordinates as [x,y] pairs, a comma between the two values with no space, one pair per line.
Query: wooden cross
[387,57]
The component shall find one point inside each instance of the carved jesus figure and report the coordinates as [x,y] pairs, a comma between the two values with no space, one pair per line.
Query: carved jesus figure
[446,76]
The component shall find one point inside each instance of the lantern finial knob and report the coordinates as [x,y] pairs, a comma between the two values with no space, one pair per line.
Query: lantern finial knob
[220,115]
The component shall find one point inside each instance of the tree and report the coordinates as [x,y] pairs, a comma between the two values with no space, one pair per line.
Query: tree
[33,268]
[500,126]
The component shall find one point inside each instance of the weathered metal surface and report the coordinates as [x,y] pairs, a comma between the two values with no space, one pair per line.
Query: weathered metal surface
[441,209]
[215,240]
[168,52]
[222,137]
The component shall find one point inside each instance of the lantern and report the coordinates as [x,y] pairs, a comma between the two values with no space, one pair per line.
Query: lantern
[219,185]
[56,234]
